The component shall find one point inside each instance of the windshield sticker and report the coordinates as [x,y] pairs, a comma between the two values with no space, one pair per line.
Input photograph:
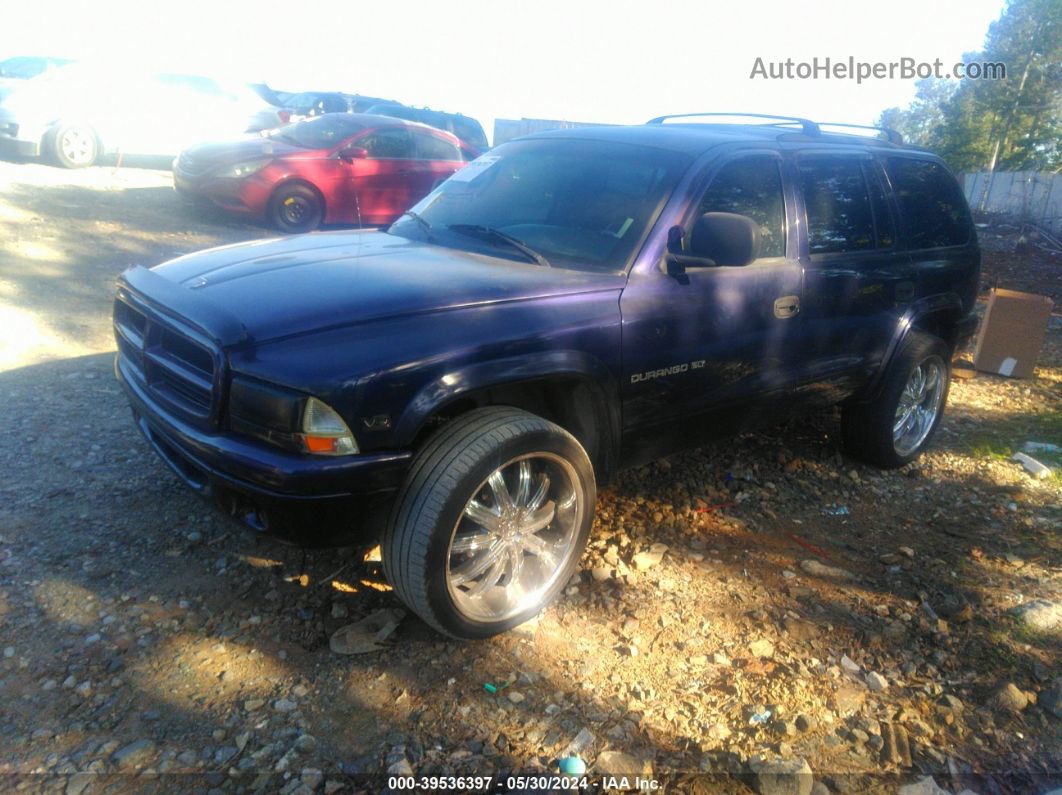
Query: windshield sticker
[475,168]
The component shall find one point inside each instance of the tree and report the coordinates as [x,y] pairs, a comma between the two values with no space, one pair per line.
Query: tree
[1011,124]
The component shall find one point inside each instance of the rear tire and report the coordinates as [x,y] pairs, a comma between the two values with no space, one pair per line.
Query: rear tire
[72,145]
[897,425]
[490,523]
[296,208]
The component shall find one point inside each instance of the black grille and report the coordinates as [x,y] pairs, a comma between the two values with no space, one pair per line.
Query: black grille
[190,165]
[176,370]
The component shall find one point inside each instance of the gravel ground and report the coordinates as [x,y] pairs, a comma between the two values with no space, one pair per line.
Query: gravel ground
[759,614]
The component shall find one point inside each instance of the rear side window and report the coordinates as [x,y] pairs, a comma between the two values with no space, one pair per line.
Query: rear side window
[840,218]
[431,147]
[388,144]
[933,207]
[751,186]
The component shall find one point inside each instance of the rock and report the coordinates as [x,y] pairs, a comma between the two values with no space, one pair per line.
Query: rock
[817,569]
[134,755]
[876,682]
[907,552]
[311,777]
[848,699]
[1009,698]
[252,704]
[1051,699]
[719,731]
[650,557]
[617,763]
[781,777]
[516,697]
[601,573]
[79,782]
[924,786]
[761,648]
[953,703]
[285,705]
[305,743]
[367,634]
[401,768]
[720,659]
[849,665]
[1040,615]
[339,610]
[225,753]
[805,723]
[801,630]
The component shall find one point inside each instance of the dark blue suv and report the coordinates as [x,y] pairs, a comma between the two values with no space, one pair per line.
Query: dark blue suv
[569,304]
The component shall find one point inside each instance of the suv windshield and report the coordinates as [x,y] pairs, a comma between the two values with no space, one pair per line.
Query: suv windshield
[320,132]
[584,205]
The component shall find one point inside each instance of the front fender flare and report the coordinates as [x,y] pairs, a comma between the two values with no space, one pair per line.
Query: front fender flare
[463,381]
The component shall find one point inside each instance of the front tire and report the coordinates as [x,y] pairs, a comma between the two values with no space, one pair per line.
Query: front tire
[896,426]
[490,523]
[296,208]
[73,145]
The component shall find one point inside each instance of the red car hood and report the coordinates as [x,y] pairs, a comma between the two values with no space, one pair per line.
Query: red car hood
[206,156]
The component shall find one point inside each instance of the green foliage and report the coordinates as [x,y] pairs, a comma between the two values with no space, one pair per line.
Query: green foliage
[1011,124]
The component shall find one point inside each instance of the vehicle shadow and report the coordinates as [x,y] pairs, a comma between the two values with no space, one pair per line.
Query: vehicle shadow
[207,620]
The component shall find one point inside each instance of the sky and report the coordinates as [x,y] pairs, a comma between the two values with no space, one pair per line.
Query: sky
[609,61]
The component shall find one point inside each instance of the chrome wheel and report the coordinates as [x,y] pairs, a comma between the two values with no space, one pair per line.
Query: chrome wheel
[919,406]
[515,537]
[77,145]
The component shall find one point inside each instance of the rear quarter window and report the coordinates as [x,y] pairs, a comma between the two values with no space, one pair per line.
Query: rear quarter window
[931,203]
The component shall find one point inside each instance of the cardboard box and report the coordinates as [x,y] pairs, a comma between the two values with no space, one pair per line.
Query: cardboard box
[1012,333]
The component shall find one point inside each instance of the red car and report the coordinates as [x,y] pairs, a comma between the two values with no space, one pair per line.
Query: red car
[339,168]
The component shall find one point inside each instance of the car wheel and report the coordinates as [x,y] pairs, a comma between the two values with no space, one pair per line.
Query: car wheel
[490,522]
[296,208]
[73,145]
[897,425]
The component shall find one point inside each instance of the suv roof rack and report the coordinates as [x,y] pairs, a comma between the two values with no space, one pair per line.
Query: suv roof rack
[891,135]
[807,126]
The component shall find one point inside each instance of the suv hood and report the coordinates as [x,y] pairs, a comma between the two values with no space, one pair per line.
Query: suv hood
[291,286]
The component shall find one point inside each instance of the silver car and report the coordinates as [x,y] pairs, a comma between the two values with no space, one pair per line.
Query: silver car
[74,114]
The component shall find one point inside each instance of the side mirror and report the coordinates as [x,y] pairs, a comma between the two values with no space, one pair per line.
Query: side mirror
[353,153]
[725,239]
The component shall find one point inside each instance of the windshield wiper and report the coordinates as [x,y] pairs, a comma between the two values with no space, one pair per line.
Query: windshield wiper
[421,221]
[490,233]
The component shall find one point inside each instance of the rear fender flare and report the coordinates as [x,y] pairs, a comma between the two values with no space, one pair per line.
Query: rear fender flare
[914,316]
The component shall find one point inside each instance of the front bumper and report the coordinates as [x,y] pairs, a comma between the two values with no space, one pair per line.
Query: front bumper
[309,500]
[233,195]
[17,139]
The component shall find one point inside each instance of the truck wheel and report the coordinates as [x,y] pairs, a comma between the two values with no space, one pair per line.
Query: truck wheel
[896,426]
[296,208]
[73,145]
[490,522]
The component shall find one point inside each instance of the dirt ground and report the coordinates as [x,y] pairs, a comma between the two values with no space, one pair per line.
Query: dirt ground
[811,618]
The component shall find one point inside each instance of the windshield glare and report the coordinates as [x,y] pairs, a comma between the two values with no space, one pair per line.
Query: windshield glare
[320,132]
[581,204]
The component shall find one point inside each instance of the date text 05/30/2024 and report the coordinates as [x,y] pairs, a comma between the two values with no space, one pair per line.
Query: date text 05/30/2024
[522,783]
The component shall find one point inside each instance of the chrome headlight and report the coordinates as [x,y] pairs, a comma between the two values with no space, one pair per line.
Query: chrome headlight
[244,169]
